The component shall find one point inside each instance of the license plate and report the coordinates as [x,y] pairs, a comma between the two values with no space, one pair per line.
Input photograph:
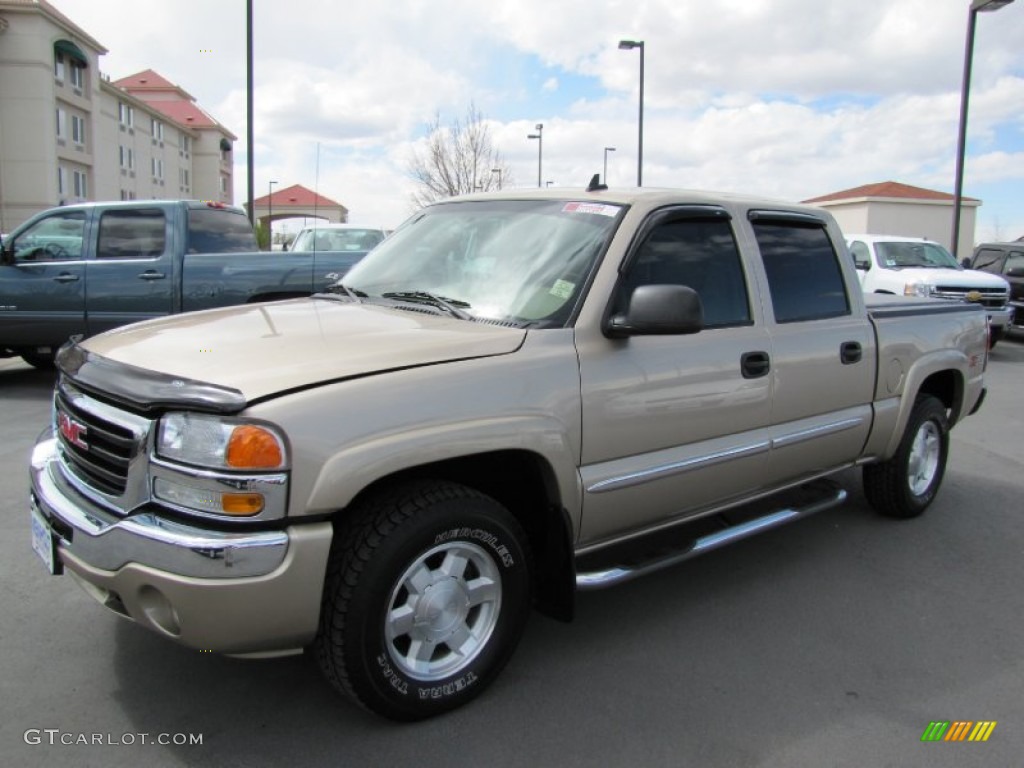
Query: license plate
[44,542]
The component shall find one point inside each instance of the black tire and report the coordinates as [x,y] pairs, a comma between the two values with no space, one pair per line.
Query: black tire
[906,484]
[41,360]
[412,569]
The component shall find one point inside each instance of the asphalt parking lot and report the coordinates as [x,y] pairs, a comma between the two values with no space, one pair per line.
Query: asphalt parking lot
[832,642]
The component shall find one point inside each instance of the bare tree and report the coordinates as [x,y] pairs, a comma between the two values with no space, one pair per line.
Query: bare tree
[459,158]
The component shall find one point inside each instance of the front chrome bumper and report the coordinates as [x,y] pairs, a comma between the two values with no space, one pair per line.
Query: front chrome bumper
[1000,318]
[230,592]
[107,541]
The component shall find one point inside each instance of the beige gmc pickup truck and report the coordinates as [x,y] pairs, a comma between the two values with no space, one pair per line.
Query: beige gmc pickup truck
[515,396]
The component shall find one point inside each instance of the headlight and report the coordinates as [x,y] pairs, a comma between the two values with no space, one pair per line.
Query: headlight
[214,441]
[918,289]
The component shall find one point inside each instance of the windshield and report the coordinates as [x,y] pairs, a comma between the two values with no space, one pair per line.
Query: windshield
[337,239]
[928,255]
[518,261]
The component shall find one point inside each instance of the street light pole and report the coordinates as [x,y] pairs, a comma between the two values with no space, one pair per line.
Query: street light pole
[270,215]
[628,45]
[606,151]
[539,136]
[977,6]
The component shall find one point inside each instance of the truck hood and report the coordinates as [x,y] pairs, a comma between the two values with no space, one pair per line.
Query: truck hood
[263,349]
[960,278]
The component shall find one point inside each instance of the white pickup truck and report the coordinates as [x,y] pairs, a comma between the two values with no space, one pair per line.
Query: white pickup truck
[909,266]
[515,396]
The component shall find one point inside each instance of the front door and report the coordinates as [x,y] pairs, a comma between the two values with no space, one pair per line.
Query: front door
[42,283]
[673,423]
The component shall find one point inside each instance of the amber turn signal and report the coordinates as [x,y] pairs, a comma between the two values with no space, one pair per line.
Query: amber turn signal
[241,503]
[252,447]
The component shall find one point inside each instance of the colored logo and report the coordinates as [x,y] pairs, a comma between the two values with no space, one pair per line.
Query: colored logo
[958,730]
[72,431]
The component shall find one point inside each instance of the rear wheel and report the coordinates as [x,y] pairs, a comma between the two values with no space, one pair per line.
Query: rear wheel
[427,595]
[906,484]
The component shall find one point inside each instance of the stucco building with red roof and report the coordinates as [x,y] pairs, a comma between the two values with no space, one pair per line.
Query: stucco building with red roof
[892,208]
[70,134]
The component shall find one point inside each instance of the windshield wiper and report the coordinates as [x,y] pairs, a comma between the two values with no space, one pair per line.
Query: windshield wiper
[338,288]
[451,306]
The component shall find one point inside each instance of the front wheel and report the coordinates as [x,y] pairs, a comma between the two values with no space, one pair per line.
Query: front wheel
[427,595]
[906,484]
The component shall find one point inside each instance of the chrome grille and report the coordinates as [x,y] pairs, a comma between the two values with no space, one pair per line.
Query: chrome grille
[102,448]
[99,451]
[992,298]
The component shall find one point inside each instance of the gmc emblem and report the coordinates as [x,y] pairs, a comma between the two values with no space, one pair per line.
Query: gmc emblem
[72,431]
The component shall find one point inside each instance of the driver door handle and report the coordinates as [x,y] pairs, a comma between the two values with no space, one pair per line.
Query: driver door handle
[152,275]
[65,277]
[754,365]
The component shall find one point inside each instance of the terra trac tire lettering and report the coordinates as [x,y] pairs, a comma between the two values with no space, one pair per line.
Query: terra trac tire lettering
[427,594]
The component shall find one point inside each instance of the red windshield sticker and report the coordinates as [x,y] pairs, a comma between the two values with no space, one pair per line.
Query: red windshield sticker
[594,208]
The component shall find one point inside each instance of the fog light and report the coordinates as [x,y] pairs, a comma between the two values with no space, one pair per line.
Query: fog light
[201,500]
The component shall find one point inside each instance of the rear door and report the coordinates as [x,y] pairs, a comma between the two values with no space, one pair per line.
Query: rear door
[823,347]
[42,288]
[131,277]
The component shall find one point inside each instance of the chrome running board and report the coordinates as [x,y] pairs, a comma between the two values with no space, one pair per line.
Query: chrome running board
[608,577]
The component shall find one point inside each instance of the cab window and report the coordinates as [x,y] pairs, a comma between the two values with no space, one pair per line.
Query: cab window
[55,238]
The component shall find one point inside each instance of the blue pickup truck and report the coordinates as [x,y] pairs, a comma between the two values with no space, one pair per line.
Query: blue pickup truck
[84,269]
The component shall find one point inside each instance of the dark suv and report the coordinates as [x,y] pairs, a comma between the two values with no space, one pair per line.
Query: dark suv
[1006,259]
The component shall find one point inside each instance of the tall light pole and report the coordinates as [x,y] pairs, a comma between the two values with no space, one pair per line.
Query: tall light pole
[539,136]
[270,215]
[628,45]
[250,182]
[606,151]
[977,6]
[497,171]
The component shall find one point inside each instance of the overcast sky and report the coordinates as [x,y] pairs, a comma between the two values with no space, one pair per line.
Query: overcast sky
[787,98]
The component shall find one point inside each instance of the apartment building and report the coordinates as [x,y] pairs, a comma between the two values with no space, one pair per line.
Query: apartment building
[69,133]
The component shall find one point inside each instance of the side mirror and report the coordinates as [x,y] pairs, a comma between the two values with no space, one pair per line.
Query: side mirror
[657,310]
[1015,272]
[965,262]
[862,264]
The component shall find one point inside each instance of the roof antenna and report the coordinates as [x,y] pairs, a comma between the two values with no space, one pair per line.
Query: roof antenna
[595,184]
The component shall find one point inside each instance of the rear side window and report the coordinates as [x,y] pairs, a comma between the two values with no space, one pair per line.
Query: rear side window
[132,234]
[215,230]
[1015,264]
[804,277]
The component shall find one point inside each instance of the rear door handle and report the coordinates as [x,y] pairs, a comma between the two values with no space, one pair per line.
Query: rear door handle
[65,277]
[754,365]
[850,352]
[152,275]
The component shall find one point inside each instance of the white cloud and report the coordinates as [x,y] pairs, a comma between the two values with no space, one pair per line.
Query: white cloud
[793,98]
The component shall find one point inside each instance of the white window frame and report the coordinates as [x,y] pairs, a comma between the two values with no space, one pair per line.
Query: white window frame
[127,157]
[81,184]
[62,183]
[58,66]
[62,123]
[78,129]
[125,114]
[77,75]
